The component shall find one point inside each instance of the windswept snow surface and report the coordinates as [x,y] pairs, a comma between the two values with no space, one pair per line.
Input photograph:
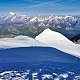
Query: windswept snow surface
[58,41]
[38,63]
[19,41]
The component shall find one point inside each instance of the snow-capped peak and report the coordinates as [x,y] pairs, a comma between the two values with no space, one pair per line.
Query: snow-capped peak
[56,35]
[39,21]
[11,13]
[59,41]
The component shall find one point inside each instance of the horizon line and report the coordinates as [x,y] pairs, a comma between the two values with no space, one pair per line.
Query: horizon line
[37,14]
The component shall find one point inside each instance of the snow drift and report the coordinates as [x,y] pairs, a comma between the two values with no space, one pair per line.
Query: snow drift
[57,40]
[19,41]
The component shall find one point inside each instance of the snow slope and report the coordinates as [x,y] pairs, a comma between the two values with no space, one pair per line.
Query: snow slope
[46,38]
[57,40]
[19,41]
[37,58]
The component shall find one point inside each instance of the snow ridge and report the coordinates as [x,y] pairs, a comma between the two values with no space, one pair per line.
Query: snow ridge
[19,41]
[58,41]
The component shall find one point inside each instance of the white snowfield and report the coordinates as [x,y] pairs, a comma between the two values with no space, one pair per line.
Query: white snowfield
[47,38]
[58,41]
[19,41]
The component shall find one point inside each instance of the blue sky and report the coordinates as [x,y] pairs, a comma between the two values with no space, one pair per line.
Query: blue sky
[37,7]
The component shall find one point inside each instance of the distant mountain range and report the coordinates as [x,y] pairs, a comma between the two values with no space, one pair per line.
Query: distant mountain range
[15,24]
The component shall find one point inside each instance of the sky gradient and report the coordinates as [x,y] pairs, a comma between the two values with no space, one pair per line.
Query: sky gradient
[37,7]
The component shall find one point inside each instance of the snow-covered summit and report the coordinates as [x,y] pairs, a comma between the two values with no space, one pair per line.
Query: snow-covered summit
[56,35]
[11,13]
[57,40]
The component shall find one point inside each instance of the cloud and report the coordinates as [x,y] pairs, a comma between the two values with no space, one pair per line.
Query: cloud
[41,6]
[44,4]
